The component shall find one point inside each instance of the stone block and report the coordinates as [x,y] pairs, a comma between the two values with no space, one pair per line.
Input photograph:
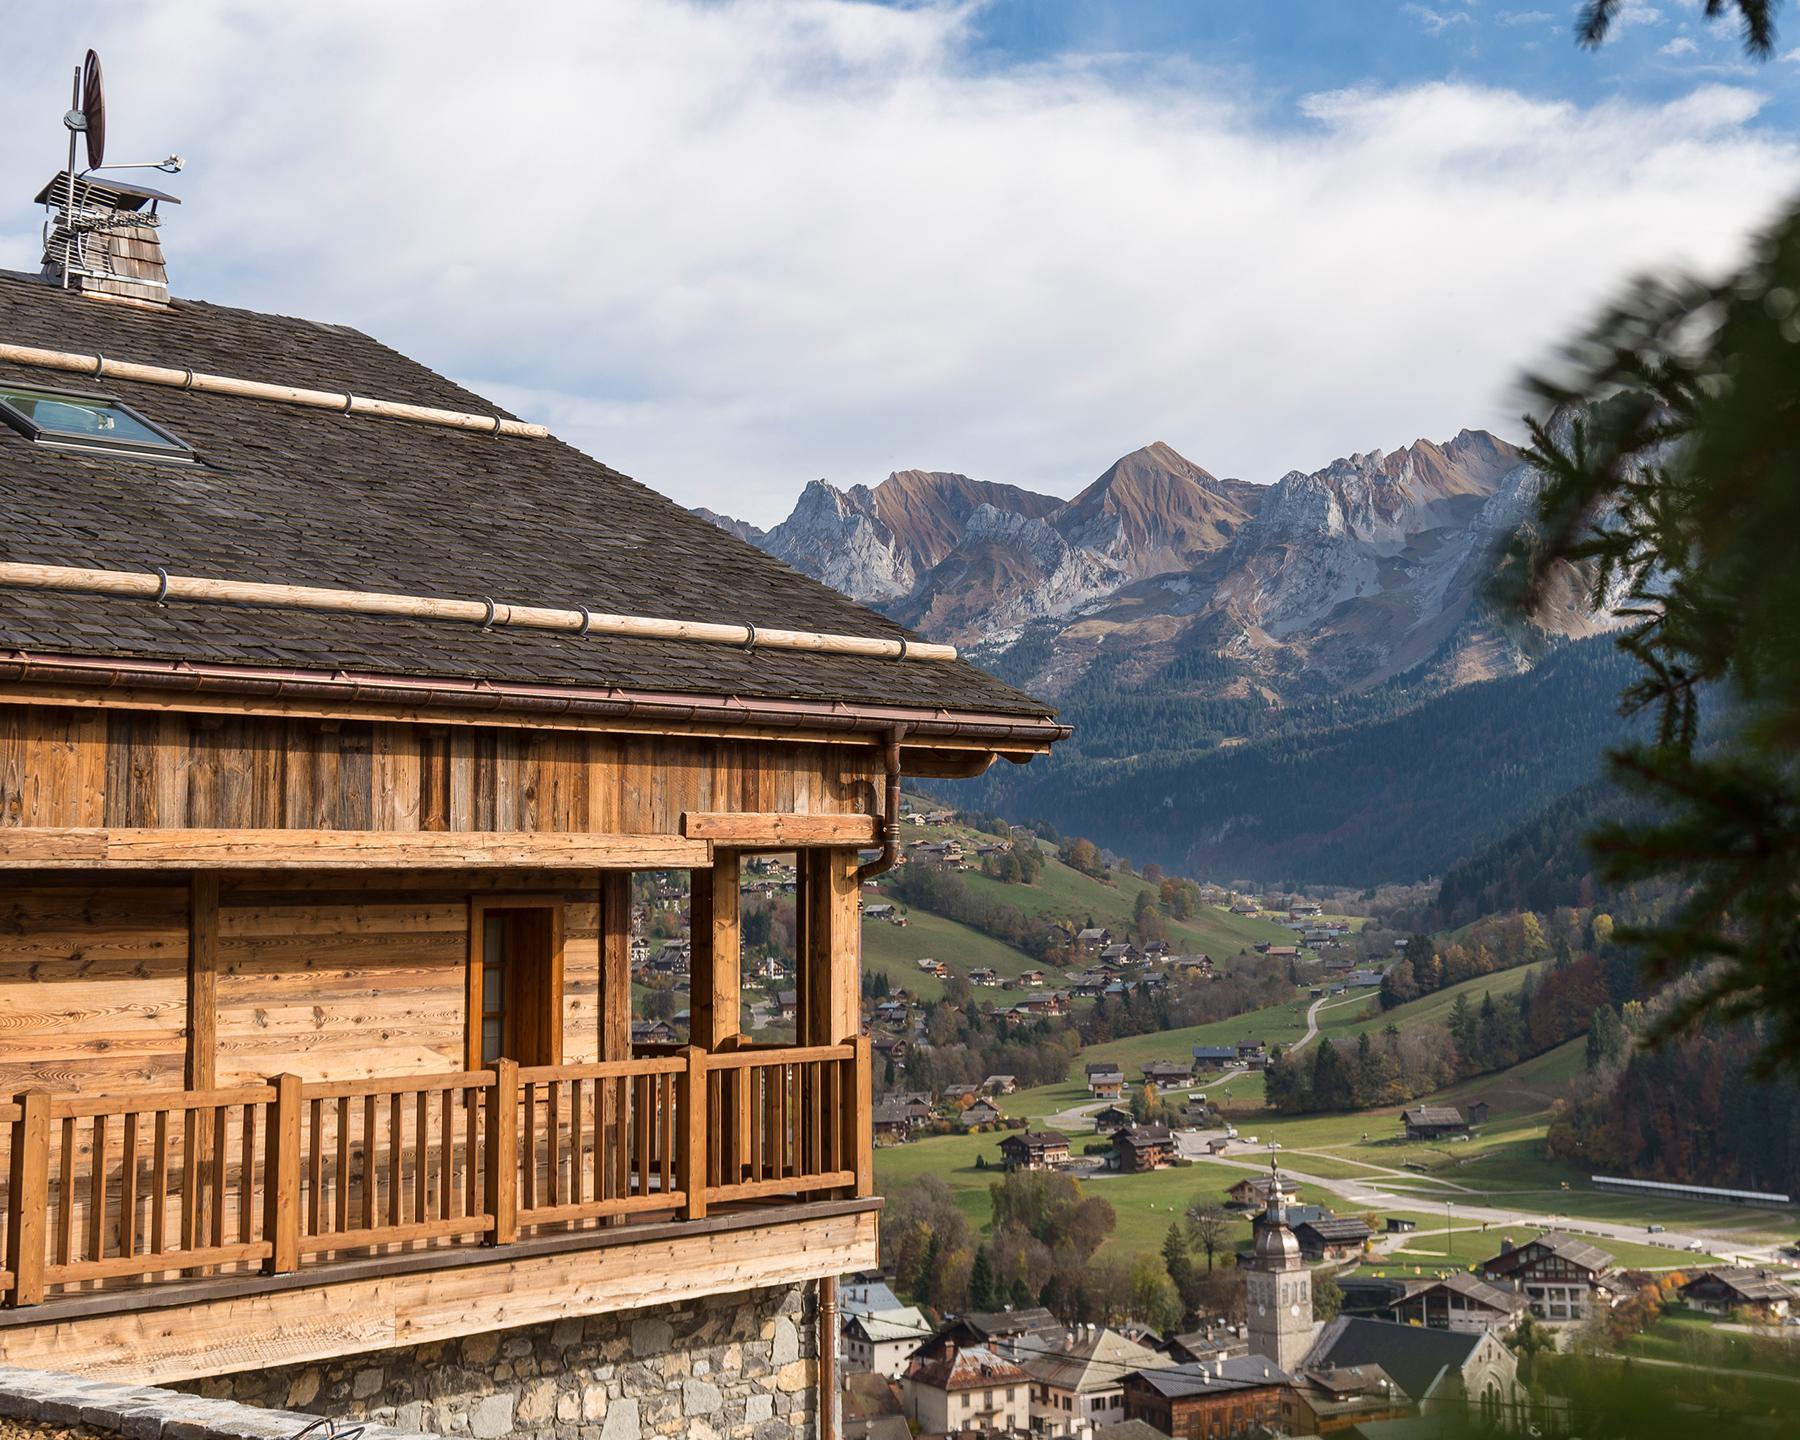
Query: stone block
[622,1421]
[700,1397]
[492,1417]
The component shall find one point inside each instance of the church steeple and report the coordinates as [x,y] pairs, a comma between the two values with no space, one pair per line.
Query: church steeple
[1278,1285]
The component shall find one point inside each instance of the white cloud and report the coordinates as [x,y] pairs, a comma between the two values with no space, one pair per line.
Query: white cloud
[1435,22]
[1680,45]
[730,247]
[1634,13]
[1526,17]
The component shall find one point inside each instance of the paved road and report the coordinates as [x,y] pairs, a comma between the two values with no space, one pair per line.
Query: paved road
[1455,1199]
[1312,1018]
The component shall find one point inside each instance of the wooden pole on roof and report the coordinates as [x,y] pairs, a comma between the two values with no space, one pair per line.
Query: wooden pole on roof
[159,586]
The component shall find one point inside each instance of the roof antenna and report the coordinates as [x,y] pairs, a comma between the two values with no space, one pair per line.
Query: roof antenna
[101,231]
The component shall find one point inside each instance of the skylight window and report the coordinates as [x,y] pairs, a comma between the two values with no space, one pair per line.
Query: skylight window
[97,424]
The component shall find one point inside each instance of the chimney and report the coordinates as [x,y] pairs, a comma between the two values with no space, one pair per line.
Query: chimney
[105,242]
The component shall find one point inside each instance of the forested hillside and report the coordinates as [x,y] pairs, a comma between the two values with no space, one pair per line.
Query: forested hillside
[1392,799]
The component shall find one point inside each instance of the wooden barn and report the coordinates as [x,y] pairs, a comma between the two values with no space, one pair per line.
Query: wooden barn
[338,710]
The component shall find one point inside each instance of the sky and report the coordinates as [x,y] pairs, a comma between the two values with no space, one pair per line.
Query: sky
[732,247]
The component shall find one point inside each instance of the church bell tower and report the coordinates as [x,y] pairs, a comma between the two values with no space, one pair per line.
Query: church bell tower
[1280,1287]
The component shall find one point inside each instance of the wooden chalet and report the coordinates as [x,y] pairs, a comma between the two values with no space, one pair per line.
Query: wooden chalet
[1034,1150]
[321,797]
[1138,1148]
[1563,1277]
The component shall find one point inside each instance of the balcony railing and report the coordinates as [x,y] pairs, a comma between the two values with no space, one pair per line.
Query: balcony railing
[105,1191]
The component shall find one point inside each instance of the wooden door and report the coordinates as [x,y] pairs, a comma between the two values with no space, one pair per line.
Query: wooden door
[515,981]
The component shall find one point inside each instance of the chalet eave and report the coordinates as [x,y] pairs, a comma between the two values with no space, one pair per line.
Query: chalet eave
[139,683]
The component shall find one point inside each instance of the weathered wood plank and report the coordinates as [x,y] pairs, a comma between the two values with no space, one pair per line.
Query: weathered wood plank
[763,828]
[150,849]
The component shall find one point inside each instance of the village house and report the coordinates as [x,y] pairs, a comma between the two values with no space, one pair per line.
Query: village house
[1034,1150]
[1738,1289]
[1000,1084]
[981,1112]
[652,1032]
[952,1389]
[1078,1379]
[882,1341]
[1105,1080]
[1460,1301]
[1120,953]
[1332,1237]
[1113,1117]
[338,710]
[984,975]
[870,1408]
[787,1005]
[1330,1399]
[1006,1332]
[1433,1122]
[1562,1276]
[883,911]
[893,1049]
[1139,1148]
[1254,1053]
[1214,1057]
[1303,909]
[1168,1073]
[1259,1191]
[1229,1396]
[1245,907]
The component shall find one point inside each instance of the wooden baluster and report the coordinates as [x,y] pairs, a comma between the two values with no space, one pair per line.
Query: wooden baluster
[65,1200]
[128,1178]
[247,1179]
[622,1137]
[862,1134]
[744,1156]
[472,1162]
[577,1156]
[396,1148]
[553,1125]
[218,1175]
[159,1185]
[834,1113]
[502,1167]
[641,1151]
[422,1159]
[28,1196]
[446,1154]
[315,1169]
[528,1147]
[665,1121]
[690,1090]
[769,1154]
[281,1178]
[343,1165]
[190,1176]
[96,1226]
[370,1163]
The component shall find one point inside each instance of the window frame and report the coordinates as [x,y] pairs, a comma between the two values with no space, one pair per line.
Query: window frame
[177,451]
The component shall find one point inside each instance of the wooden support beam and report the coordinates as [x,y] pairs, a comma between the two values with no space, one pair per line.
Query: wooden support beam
[203,981]
[615,965]
[832,964]
[772,829]
[281,1178]
[715,962]
[29,1197]
[502,1153]
[146,849]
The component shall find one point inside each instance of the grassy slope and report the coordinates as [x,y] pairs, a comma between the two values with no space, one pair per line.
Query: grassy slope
[1350,1021]
[895,950]
[1062,893]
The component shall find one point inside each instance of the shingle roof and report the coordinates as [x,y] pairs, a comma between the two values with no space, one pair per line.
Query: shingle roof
[1412,1355]
[1097,1361]
[1212,1377]
[954,1368]
[1432,1115]
[310,496]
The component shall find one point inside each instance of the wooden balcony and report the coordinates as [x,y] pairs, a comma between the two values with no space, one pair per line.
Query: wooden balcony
[125,1202]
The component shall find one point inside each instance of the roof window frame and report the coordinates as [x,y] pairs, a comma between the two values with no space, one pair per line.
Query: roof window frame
[175,450]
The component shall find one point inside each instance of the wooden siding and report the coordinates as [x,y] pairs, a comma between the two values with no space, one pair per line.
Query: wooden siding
[69,767]
[93,986]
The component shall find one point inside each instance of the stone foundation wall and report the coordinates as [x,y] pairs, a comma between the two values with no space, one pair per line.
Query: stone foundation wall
[729,1367]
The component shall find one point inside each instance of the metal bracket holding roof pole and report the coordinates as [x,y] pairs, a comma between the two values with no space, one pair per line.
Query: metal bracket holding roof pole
[902,654]
[586,620]
[162,585]
[487,623]
[750,636]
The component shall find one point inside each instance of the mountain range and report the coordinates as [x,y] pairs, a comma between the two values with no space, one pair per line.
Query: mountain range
[1171,613]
